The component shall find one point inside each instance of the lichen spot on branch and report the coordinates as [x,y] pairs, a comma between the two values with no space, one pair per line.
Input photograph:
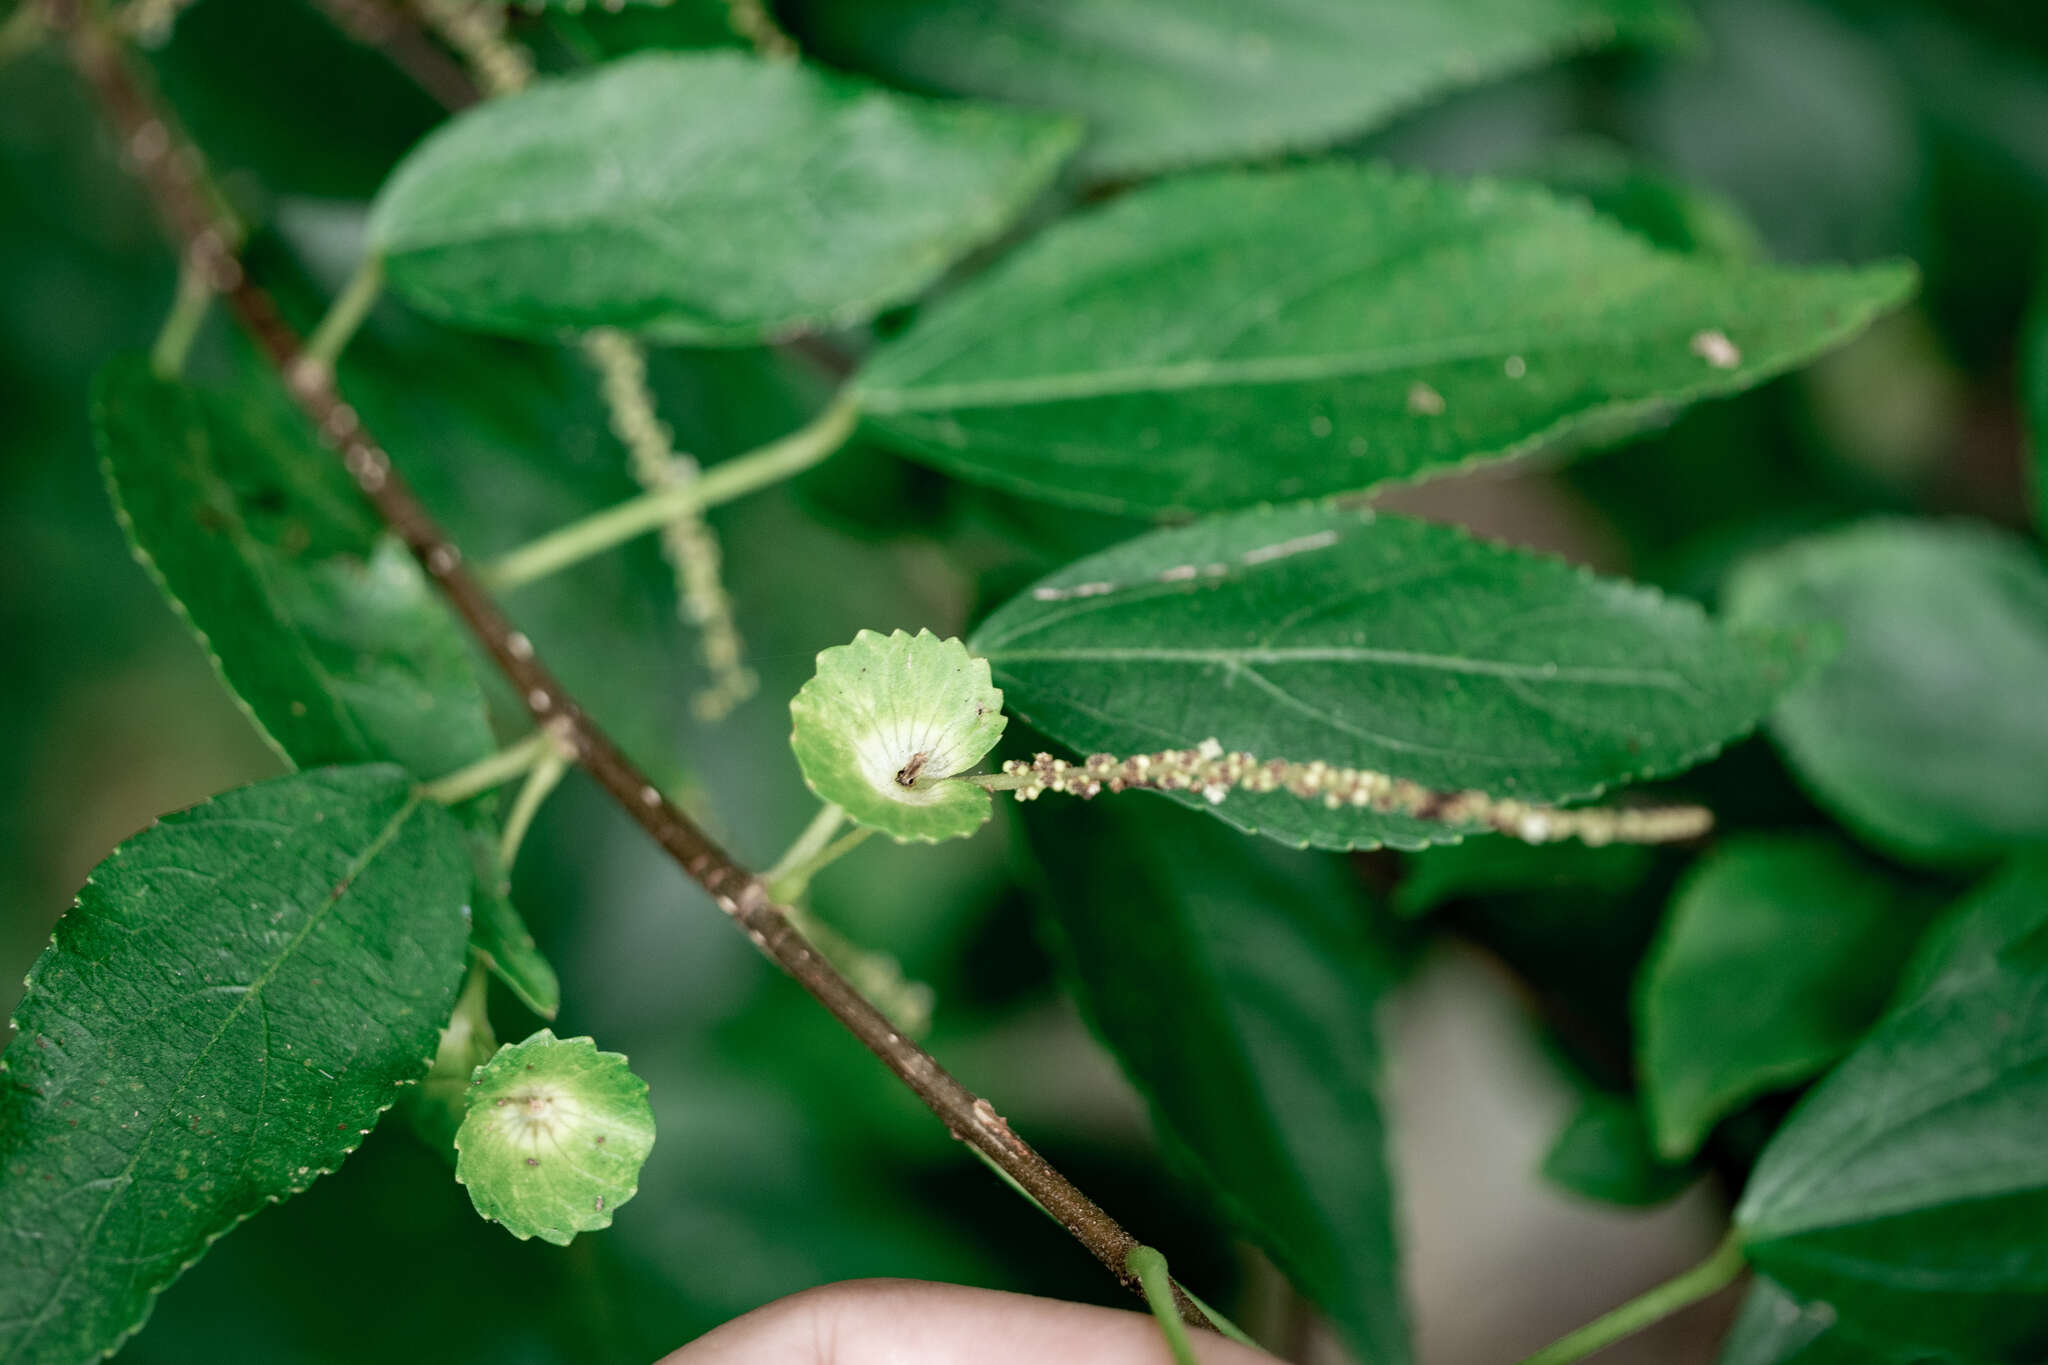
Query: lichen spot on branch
[886,720]
[554,1138]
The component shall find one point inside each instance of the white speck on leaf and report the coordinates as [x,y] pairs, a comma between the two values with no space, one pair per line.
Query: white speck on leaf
[1714,347]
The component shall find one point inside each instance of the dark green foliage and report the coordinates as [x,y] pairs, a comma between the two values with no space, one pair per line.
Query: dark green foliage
[1262,1065]
[1604,1153]
[1776,955]
[1909,1190]
[329,635]
[238,995]
[1925,732]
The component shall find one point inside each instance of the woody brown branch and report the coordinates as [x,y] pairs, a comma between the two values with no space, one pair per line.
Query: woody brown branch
[172,172]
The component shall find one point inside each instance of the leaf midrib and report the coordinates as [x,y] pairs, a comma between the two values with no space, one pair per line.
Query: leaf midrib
[1311,654]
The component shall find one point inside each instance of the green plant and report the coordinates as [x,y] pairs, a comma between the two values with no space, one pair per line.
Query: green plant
[1164,388]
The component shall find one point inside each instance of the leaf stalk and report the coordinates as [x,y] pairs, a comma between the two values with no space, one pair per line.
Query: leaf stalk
[1709,1277]
[487,774]
[723,482]
[181,327]
[344,316]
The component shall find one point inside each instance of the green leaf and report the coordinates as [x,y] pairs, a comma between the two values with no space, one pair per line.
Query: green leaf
[1437,876]
[1167,83]
[1910,1189]
[1237,987]
[1777,953]
[499,934]
[886,720]
[704,198]
[1604,1153]
[1240,337]
[1775,1328]
[328,635]
[555,1137]
[323,629]
[1672,215]
[240,992]
[1319,632]
[1925,734]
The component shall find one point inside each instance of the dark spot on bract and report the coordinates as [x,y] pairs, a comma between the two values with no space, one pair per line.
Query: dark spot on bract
[533,1161]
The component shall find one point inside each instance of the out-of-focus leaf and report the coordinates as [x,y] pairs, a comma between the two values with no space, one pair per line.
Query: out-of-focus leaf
[1925,733]
[1777,953]
[329,635]
[709,198]
[1673,215]
[1800,117]
[1237,987]
[1604,1153]
[1166,83]
[1323,633]
[326,632]
[1239,337]
[1775,1328]
[1909,1190]
[257,85]
[595,33]
[241,991]
[1438,875]
[500,936]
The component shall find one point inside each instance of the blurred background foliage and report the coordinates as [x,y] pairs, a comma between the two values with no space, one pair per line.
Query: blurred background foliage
[1799,129]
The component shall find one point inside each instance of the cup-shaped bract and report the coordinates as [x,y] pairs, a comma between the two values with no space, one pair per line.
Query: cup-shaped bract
[886,722]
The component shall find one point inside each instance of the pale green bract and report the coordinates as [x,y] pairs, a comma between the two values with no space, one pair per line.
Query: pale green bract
[555,1137]
[886,720]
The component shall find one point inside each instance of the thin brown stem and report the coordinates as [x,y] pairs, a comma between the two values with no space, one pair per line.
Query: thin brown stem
[374,23]
[175,178]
